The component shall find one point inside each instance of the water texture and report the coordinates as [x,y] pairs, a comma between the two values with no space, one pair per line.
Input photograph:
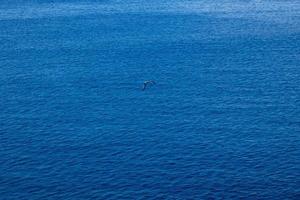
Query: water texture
[222,122]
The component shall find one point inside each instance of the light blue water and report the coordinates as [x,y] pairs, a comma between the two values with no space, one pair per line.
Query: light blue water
[222,122]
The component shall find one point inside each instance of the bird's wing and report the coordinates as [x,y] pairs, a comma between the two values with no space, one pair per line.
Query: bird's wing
[144,86]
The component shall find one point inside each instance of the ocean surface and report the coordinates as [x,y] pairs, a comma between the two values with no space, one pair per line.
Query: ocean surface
[222,121]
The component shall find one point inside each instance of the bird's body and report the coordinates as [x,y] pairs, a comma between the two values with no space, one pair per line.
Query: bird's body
[147,83]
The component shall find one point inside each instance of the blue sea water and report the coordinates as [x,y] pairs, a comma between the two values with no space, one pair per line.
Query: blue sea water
[222,121]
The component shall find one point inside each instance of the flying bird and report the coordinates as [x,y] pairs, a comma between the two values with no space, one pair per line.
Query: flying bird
[146,83]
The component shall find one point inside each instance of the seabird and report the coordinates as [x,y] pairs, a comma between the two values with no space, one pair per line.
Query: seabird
[147,83]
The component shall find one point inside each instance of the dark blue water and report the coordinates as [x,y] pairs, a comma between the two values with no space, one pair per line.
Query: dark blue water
[222,122]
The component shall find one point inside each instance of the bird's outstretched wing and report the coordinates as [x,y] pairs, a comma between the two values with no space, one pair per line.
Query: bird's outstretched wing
[144,86]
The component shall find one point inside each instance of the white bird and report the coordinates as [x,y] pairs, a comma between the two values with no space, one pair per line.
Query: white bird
[147,83]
